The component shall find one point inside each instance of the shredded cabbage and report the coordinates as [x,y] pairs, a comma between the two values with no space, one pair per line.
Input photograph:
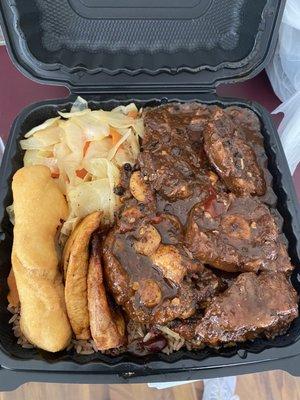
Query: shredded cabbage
[84,150]
[112,152]
[79,105]
[42,138]
[44,125]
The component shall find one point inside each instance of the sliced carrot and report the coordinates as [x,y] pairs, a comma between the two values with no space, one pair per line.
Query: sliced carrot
[115,135]
[81,173]
[133,113]
[85,147]
[13,295]
[55,174]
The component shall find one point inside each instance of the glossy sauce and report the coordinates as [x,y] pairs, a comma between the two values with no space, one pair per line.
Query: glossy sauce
[175,137]
[140,267]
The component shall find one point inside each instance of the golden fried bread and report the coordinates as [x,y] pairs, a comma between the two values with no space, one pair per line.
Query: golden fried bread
[39,208]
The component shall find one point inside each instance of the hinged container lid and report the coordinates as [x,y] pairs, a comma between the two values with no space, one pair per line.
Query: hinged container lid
[121,45]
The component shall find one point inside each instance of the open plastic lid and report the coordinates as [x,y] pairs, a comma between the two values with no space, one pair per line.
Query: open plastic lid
[90,45]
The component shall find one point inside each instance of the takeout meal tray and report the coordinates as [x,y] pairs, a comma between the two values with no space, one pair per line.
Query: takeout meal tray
[248,357]
[107,86]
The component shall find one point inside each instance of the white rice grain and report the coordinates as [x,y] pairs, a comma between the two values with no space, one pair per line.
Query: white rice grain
[13,318]
[169,332]
[78,348]
[87,352]
[27,346]
[148,336]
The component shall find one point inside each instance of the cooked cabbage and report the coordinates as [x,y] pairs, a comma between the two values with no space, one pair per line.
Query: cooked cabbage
[44,125]
[84,150]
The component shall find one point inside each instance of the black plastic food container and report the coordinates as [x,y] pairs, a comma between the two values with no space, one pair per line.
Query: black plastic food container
[113,53]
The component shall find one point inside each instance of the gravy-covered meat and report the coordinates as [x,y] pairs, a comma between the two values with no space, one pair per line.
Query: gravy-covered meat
[167,123]
[178,182]
[232,157]
[245,120]
[251,307]
[193,247]
[173,160]
[236,234]
[148,271]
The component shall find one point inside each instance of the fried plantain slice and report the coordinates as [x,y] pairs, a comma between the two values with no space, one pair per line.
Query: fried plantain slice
[107,325]
[67,251]
[76,259]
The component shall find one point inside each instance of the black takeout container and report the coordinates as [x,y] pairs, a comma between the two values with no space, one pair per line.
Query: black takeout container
[131,50]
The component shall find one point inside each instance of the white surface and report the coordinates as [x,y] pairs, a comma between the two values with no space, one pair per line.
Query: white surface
[1,149]
[220,389]
[166,385]
[284,70]
[1,37]
[214,389]
[289,130]
[284,74]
